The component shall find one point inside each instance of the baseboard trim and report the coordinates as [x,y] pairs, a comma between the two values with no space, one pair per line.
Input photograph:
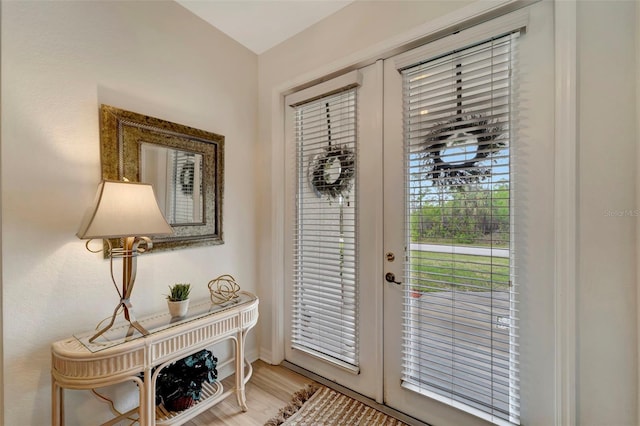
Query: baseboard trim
[266,356]
[355,395]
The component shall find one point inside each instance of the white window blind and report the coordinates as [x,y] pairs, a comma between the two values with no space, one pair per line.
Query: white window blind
[186,204]
[460,306]
[325,293]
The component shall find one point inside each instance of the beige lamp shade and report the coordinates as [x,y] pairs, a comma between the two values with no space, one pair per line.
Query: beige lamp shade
[123,209]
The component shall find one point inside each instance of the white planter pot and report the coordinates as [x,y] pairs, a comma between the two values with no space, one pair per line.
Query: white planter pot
[178,309]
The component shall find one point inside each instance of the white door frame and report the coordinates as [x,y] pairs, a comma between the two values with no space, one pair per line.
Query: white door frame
[565,203]
[565,183]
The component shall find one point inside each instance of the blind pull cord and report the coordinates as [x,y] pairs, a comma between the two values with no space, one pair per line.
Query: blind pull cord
[341,203]
[459,90]
[328,123]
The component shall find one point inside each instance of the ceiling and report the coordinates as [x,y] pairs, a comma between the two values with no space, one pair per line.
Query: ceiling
[261,24]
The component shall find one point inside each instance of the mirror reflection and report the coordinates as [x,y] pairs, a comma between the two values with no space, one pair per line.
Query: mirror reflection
[185,166]
[176,176]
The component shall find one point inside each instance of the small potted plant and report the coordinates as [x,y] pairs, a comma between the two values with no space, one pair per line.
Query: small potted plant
[178,299]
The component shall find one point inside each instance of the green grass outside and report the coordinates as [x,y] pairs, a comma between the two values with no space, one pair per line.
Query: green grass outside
[444,271]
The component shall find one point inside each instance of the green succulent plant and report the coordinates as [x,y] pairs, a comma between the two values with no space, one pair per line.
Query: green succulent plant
[179,292]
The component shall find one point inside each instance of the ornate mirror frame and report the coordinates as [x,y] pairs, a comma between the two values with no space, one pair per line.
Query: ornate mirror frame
[122,134]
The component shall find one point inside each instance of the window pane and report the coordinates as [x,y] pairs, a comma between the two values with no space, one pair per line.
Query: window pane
[460,322]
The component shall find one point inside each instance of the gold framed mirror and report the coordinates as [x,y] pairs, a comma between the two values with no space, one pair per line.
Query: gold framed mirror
[184,165]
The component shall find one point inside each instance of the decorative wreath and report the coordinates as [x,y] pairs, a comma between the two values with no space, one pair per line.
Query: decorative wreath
[187,177]
[319,177]
[490,135]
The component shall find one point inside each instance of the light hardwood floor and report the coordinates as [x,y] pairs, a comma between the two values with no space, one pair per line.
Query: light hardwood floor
[269,389]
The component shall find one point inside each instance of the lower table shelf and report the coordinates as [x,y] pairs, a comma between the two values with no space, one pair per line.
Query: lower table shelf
[212,393]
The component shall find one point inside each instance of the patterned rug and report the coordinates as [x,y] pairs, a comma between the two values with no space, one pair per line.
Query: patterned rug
[318,405]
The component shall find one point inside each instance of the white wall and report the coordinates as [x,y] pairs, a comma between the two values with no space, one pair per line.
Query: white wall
[607,349]
[607,310]
[60,61]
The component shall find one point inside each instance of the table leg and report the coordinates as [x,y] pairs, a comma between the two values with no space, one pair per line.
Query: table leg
[147,405]
[240,394]
[57,404]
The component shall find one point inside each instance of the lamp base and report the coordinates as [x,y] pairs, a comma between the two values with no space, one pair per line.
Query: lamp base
[128,314]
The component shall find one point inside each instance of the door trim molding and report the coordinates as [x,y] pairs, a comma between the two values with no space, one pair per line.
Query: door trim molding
[565,211]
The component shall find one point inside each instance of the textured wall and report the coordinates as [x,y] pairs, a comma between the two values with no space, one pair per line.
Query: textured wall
[60,60]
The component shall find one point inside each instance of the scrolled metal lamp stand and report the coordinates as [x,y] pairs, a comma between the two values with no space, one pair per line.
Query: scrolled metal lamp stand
[131,248]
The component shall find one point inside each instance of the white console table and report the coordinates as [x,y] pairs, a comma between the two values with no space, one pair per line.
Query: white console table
[123,355]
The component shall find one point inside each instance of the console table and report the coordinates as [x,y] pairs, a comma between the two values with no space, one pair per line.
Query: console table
[123,355]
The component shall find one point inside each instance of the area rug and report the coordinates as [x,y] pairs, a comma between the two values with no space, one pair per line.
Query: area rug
[317,405]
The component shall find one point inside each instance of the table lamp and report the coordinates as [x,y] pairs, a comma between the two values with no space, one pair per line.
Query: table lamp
[129,211]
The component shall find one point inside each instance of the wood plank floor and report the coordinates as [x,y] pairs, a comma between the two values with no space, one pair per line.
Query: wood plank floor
[269,389]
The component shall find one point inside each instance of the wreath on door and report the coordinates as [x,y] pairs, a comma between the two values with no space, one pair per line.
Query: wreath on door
[331,172]
[187,177]
[491,138]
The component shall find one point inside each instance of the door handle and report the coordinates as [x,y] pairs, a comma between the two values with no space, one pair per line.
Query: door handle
[391,278]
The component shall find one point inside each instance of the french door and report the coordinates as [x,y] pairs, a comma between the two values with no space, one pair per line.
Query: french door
[334,215]
[451,309]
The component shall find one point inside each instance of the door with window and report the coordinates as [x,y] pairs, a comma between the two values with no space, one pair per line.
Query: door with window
[334,217]
[422,242]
